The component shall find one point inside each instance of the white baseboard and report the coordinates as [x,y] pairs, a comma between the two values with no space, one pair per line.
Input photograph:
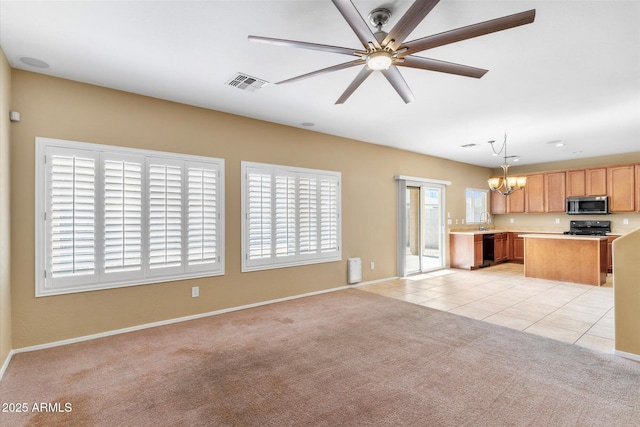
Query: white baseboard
[626,355]
[176,320]
[6,363]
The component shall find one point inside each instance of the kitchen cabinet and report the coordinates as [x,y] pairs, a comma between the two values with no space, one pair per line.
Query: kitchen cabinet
[516,247]
[516,200]
[465,250]
[610,240]
[535,193]
[637,188]
[500,247]
[554,192]
[514,203]
[595,181]
[575,186]
[621,188]
[498,203]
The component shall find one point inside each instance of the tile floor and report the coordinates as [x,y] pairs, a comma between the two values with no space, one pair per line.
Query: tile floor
[569,312]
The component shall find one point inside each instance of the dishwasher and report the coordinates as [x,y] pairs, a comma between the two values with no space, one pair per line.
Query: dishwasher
[487,250]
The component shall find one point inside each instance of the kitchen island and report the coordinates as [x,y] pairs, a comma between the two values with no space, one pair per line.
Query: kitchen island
[577,259]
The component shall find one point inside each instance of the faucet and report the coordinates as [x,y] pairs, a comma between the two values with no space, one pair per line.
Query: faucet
[484,224]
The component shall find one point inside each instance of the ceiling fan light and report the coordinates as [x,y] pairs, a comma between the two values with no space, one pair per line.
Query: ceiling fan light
[379,61]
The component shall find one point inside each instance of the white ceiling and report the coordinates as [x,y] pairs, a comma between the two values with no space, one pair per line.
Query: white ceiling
[573,75]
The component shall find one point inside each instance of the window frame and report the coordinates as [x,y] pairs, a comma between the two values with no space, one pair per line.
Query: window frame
[46,284]
[273,261]
[486,195]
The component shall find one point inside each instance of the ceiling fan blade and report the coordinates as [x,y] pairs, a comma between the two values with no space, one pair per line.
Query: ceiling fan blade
[399,84]
[409,21]
[471,31]
[357,24]
[442,66]
[324,71]
[303,45]
[361,77]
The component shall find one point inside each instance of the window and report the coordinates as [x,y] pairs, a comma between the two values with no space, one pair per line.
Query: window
[111,217]
[291,216]
[476,203]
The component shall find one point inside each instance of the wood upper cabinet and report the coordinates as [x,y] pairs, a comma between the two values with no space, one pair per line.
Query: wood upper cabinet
[621,188]
[498,203]
[515,201]
[596,182]
[554,192]
[638,188]
[535,193]
[576,184]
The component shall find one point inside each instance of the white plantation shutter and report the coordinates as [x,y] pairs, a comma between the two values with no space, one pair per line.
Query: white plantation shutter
[292,216]
[329,215]
[308,215]
[165,214]
[203,215]
[285,214]
[122,182]
[259,214]
[71,215]
[114,216]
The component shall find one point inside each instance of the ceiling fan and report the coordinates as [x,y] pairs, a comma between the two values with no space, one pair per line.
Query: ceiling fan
[385,52]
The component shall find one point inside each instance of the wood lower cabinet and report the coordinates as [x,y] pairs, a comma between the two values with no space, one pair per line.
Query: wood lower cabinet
[465,250]
[500,252]
[516,247]
[610,240]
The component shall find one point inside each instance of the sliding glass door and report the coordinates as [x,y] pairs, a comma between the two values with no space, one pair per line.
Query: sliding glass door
[421,239]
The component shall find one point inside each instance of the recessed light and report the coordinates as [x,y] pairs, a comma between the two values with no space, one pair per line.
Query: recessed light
[34,62]
[307,124]
[559,144]
[516,159]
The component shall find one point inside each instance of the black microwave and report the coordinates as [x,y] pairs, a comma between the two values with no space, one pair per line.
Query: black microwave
[595,205]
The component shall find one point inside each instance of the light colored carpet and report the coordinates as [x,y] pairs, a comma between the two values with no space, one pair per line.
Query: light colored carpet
[344,358]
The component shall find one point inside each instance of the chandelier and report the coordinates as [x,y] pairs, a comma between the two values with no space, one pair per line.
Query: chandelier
[505,185]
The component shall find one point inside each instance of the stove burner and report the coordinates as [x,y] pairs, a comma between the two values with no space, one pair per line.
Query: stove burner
[589,228]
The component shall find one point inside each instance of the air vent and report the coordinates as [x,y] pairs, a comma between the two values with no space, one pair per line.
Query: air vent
[246,82]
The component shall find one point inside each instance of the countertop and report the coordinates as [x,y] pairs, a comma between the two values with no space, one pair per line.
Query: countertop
[562,236]
[524,232]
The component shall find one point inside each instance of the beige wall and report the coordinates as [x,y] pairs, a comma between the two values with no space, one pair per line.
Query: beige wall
[56,108]
[5,258]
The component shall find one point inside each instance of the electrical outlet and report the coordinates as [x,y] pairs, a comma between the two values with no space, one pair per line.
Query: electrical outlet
[195,292]
[463,221]
[456,221]
[557,220]
[373,265]
[625,221]
[449,221]
[511,220]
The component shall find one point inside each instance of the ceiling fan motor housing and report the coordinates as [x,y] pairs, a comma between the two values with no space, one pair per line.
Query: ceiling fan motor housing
[379,17]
